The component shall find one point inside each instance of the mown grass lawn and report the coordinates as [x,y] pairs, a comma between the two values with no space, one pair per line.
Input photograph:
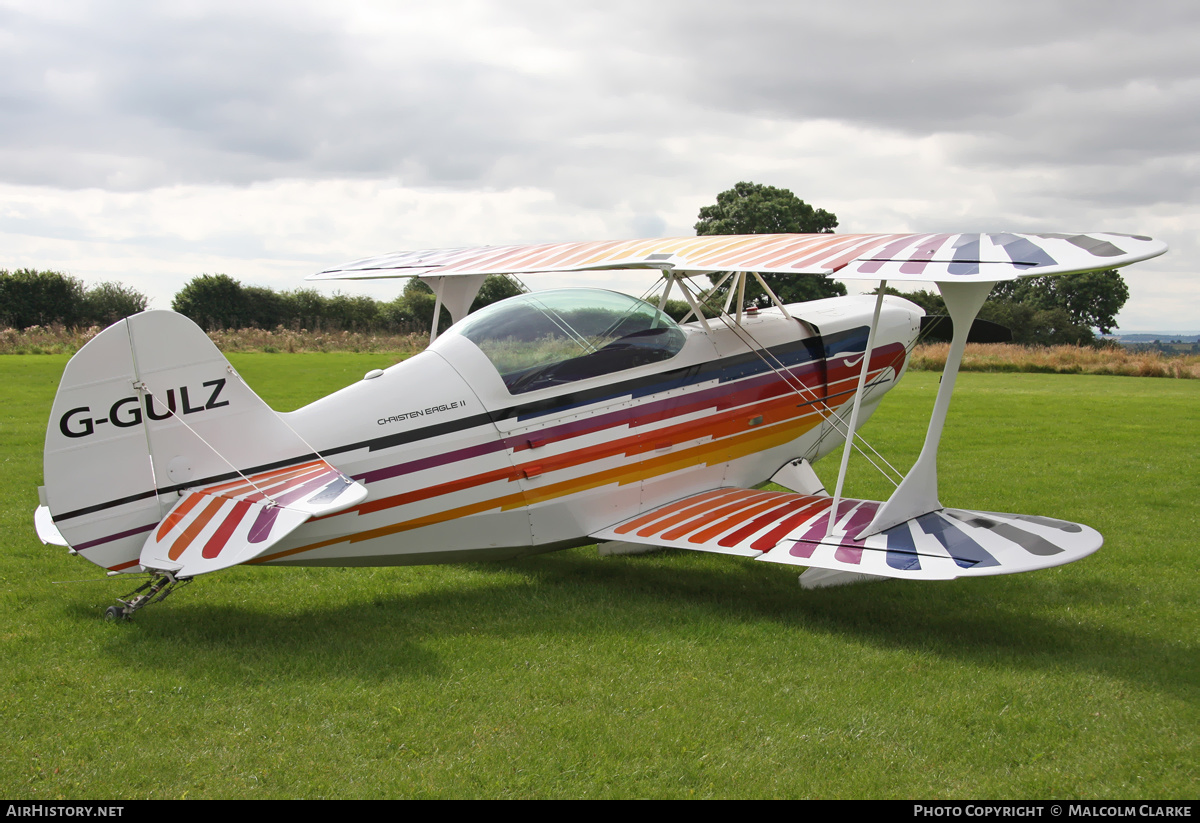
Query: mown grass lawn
[667,675]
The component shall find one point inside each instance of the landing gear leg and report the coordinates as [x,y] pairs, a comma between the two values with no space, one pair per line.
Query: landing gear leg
[154,590]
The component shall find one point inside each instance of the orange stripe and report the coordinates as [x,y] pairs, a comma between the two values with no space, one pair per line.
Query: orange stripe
[245,483]
[435,491]
[195,527]
[707,516]
[177,514]
[805,252]
[740,517]
[294,482]
[666,511]
[709,453]
[699,505]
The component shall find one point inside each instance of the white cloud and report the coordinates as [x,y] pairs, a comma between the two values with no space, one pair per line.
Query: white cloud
[151,142]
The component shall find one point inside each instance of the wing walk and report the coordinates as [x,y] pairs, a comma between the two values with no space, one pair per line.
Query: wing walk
[785,527]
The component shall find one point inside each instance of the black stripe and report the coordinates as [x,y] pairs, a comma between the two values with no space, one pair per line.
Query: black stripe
[731,368]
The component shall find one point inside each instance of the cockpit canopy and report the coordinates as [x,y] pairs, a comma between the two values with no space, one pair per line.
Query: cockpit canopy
[559,336]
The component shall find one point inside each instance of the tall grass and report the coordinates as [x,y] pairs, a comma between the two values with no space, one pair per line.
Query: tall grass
[981,357]
[60,340]
[1007,357]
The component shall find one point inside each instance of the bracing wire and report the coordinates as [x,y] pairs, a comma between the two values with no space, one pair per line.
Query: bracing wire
[144,388]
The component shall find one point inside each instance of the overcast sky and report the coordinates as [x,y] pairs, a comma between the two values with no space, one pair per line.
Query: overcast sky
[152,142]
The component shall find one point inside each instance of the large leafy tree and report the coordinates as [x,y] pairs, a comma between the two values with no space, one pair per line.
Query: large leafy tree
[107,303]
[1047,310]
[41,298]
[214,301]
[1091,300]
[752,208]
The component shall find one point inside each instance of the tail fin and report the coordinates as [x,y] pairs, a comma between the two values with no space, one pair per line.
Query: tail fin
[149,416]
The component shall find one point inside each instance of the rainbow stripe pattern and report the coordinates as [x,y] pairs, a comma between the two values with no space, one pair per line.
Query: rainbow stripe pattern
[744,409]
[990,257]
[229,523]
[784,527]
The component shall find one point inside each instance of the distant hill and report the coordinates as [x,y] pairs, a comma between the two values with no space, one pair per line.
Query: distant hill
[1151,336]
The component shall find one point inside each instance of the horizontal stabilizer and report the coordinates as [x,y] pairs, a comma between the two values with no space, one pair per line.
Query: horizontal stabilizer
[47,532]
[229,523]
[789,528]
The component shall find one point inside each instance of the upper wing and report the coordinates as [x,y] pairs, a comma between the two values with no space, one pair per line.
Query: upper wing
[785,527]
[954,257]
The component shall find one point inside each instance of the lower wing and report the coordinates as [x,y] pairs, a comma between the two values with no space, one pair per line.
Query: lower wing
[786,527]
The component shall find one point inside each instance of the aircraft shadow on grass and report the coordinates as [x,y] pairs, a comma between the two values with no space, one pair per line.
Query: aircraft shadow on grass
[578,599]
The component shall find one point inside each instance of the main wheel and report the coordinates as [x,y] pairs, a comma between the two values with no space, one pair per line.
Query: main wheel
[115,613]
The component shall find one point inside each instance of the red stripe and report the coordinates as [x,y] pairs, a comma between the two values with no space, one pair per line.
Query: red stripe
[666,511]
[712,531]
[195,527]
[795,502]
[217,542]
[703,502]
[707,517]
[769,540]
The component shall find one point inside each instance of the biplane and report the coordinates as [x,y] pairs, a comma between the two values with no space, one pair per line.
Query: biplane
[555,419]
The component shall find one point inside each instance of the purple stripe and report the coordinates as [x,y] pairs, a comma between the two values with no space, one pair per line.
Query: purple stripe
[851,550]
[719,397]
[263,524]
[884,255]
[902,549]
[924,253]
[431,462]
[303,491]
[112,537]
[966,255]
[808,542]
[965,551]
[1023,251]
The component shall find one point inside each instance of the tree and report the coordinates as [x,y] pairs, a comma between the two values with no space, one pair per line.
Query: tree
[303,308]
[1091,300]
[213,301]
[418,299]
[1046,310]
[496,287]
[751,208]
[39,298]
[107,303]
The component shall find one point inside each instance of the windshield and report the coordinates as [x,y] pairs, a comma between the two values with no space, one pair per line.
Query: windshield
[560,336]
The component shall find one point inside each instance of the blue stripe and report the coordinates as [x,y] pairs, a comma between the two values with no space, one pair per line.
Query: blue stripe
[723,370]
[965,551]
[901,549]
[1023,252]
[966,255]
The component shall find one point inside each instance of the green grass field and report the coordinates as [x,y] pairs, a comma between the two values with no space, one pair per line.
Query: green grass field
[665,675]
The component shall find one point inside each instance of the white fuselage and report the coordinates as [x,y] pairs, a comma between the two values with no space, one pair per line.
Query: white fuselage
[457,467]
